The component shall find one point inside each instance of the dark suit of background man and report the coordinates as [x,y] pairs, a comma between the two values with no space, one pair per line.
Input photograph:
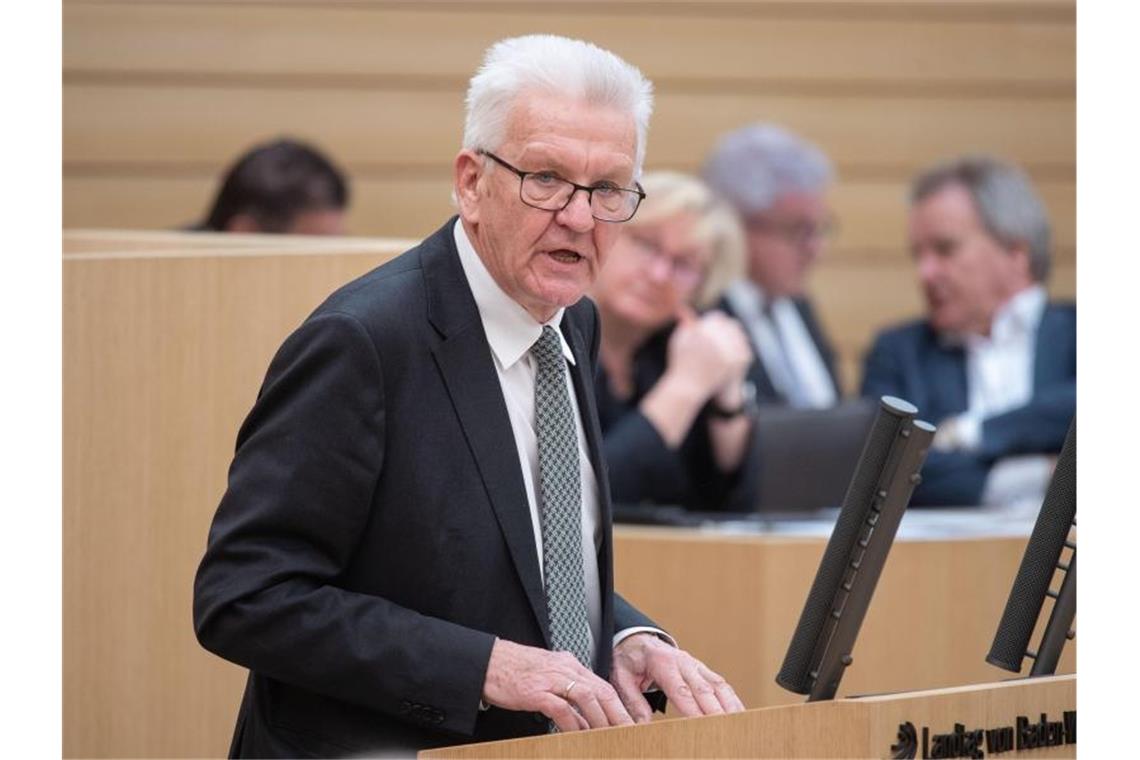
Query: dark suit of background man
[993,363]
[777,183]
[383,559]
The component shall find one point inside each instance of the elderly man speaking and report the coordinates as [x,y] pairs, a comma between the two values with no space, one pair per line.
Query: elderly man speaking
[414,548]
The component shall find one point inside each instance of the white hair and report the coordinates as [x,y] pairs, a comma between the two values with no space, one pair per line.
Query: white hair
[556,65]
[753,166]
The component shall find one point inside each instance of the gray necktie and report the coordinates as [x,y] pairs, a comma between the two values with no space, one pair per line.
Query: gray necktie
[561,506]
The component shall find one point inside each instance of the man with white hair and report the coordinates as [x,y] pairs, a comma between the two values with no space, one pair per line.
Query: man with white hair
[994,364]
[415,546]
[778,182]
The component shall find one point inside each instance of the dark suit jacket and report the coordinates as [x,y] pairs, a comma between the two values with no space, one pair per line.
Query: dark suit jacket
[375,536]
[766,393]
[643,469]
[912,363]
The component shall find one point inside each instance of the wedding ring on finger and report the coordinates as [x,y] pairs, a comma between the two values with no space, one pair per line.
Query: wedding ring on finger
[566,691]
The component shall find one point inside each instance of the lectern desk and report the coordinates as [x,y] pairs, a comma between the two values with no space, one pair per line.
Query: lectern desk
[1033,718]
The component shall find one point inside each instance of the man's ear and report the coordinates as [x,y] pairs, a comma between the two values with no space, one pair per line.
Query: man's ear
[1019,258]
[468,175]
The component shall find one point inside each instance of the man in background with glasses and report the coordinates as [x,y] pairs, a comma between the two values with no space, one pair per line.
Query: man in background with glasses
[777,183]
[415,546]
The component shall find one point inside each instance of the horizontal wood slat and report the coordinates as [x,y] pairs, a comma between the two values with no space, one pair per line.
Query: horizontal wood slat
[740,48]
[175,126]
[872,214]
[1042,11]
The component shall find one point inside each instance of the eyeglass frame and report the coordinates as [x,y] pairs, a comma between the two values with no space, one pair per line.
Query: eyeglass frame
[637,191]
[788,232]
[653,252]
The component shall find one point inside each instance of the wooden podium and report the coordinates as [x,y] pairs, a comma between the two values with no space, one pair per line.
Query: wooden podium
[1023,718]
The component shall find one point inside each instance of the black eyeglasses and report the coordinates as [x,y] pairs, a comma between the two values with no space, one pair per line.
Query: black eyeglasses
[547,191]
[798,232]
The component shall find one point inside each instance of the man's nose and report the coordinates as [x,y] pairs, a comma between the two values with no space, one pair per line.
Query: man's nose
[577,214]
[927,268]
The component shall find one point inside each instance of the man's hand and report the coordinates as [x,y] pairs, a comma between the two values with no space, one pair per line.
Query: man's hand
[643,659]
[552,683]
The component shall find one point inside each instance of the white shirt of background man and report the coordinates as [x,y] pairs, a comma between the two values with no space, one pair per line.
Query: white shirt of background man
[784,345]
[999,378]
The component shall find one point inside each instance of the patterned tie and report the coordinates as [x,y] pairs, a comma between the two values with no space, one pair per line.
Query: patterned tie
[561,492]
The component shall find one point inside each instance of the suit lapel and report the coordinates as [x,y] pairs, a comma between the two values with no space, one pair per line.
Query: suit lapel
[1049,364]
[464,360]
[949,391]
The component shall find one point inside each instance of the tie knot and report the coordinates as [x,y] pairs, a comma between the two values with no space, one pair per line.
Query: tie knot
[548,348]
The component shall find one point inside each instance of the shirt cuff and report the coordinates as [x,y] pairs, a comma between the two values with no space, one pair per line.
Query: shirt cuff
[969,432]
[960,432]
[625,633]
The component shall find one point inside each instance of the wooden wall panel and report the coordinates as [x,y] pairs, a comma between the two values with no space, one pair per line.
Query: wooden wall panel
[946,594]
[164,358]
[753,43]
[872,213]
[160,96]
[158,125]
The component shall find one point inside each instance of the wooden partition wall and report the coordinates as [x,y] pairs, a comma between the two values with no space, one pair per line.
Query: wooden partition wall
[166,338]
[159,95]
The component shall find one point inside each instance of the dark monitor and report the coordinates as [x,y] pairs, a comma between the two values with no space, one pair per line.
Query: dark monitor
[882,484]
[807,455]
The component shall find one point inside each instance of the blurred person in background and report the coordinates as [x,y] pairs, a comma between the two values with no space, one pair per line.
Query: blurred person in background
[283,186]
[673,396]
[777,183]
[993,363]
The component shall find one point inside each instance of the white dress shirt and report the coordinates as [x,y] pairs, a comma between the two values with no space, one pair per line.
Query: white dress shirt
[999,378]
[784,345]
[511,331]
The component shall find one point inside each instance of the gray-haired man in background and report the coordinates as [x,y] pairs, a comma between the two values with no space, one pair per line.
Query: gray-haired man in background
[778,182]
[993,362]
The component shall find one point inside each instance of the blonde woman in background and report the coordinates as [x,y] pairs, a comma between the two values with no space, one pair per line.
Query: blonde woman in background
[673,400]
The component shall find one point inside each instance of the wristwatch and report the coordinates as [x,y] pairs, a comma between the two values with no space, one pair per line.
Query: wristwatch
[747,403]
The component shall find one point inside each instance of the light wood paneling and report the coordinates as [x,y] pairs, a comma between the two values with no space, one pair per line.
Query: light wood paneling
[670,44]
[161,125]
[163,358]
[160,96]
[931,623]
[872,213]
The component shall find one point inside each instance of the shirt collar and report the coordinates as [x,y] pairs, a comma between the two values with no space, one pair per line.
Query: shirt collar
[510,328]
[1020,315]
[748,299]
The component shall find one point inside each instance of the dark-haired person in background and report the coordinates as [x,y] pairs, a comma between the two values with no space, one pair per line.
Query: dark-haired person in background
[778,182]
[284,186]
[993,363]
